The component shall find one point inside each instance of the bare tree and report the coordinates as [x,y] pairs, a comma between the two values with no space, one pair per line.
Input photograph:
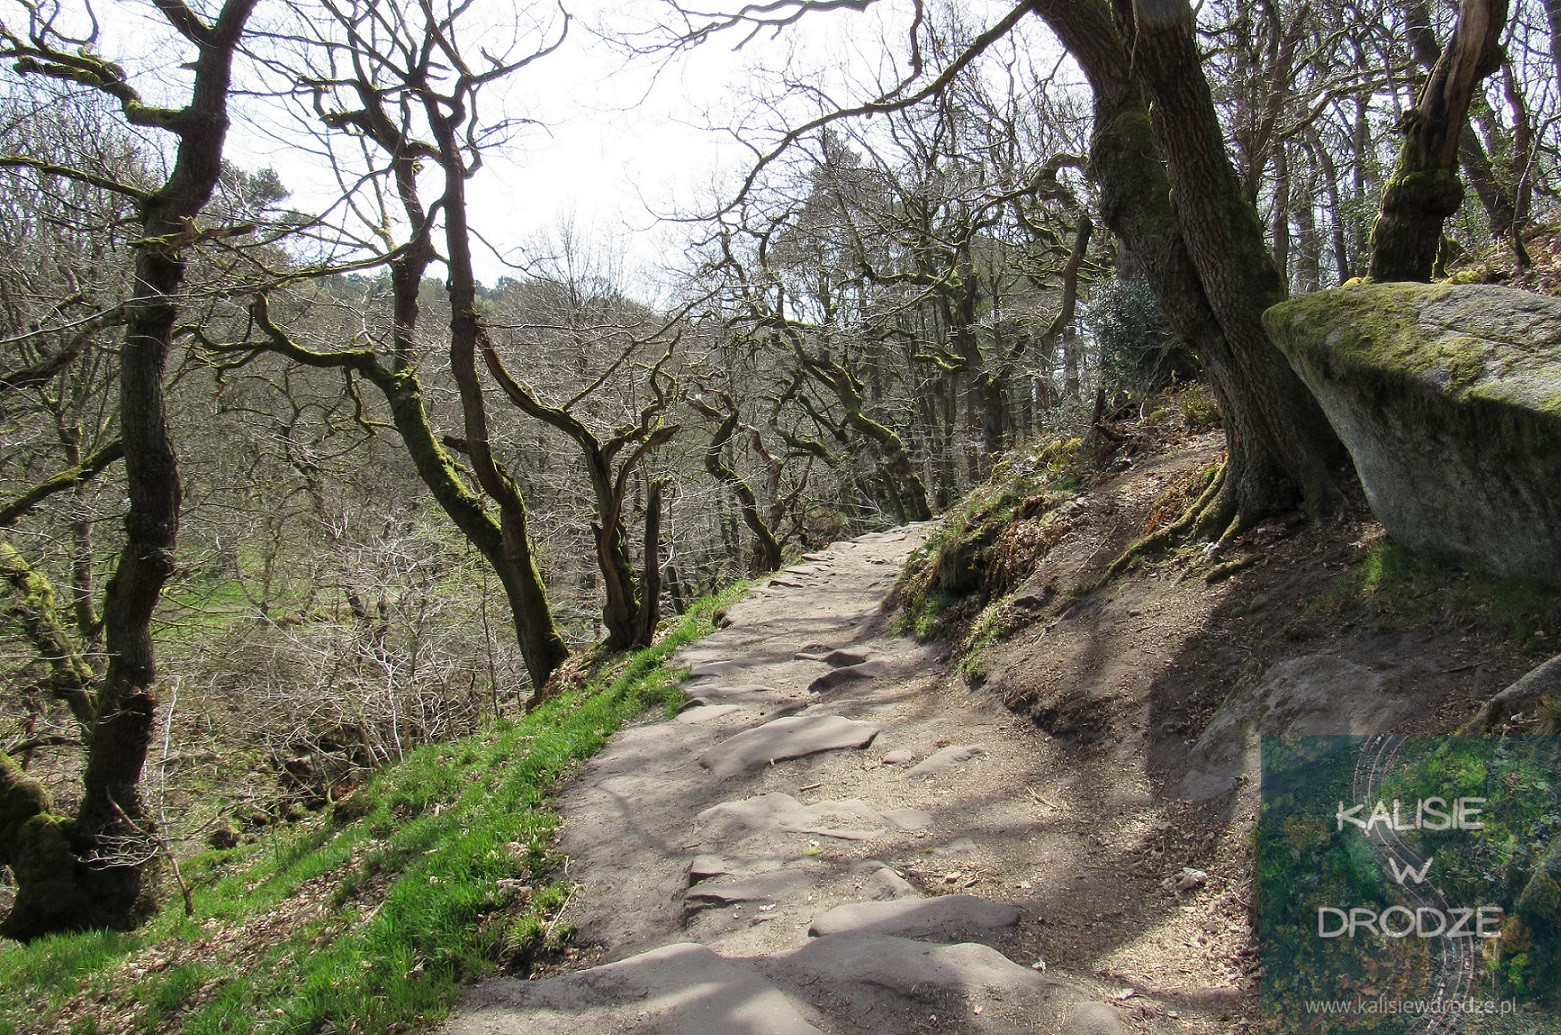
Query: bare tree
[399,86]
[88,871]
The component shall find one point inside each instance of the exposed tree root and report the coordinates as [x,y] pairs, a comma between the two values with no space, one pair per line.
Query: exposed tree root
[1540,684]
[1215,508]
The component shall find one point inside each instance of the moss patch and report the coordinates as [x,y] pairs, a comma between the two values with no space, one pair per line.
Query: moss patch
[991,540]
[1479,342]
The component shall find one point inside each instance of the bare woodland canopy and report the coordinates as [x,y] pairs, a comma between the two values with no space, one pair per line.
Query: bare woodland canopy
[300,469]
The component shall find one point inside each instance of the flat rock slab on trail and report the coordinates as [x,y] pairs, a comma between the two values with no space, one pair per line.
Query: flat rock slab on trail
[945,759]
[945,918]
[682,988]
[756,868]
[783,739]
[852,820]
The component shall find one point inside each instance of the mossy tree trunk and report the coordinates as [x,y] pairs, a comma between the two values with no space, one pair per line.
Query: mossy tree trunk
[398,381]
[1424,190]
[650,584]
[97,869]
[766,544]
[540,641]
[1203,253]
[908,491]
[1501,207]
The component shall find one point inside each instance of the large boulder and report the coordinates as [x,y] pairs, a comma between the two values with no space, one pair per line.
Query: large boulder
[1449,400]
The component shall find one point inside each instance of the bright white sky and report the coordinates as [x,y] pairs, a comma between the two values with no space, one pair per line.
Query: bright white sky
[623,140]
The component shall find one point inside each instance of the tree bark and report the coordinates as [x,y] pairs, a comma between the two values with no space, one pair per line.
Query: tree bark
[650,581]
[1500,209]
[98,870]
[1205,257]
[1553,19]
[906,488]
[1424,189]
[541,645]
[55,891]
[1224,238]
[766,546]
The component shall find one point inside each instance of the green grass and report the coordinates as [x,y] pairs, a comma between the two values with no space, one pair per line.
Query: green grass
[994,624]
[35,979]
[440,869]
[1395,584]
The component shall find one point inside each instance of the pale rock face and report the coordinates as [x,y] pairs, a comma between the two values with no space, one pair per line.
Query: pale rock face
[1449,400]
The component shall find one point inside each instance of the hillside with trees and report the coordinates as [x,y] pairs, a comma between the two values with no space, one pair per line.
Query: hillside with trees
[308,516]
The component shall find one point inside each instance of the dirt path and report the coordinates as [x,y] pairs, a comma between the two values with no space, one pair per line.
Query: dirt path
[830,838]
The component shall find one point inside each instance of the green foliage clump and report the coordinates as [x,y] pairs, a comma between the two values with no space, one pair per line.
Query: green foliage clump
[996,621]
[1138,350]
[1199,410]
[440,869]
[1514,861]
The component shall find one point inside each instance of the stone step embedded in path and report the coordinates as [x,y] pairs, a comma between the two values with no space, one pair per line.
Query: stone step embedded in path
[1092,1019]
[713,713]
[711,669]
[795,736]
[850,820]
[708,865]
[891,984]
[871,982]
[946,758]
[791,881]
[684,988]
[847,674]
[833,658]
[739,693]
[943,918]
[906,965]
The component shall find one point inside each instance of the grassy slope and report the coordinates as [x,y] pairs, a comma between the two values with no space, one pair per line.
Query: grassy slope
[368,919]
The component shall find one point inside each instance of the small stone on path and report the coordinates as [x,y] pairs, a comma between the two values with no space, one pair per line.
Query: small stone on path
[899,756]
[885,883]
[946,758]
[909,819]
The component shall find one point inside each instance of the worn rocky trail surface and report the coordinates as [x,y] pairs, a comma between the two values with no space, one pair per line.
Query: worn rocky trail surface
[805,847]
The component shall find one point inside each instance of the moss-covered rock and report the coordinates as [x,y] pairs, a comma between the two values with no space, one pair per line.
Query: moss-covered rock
[1539,909]
[1449,400]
